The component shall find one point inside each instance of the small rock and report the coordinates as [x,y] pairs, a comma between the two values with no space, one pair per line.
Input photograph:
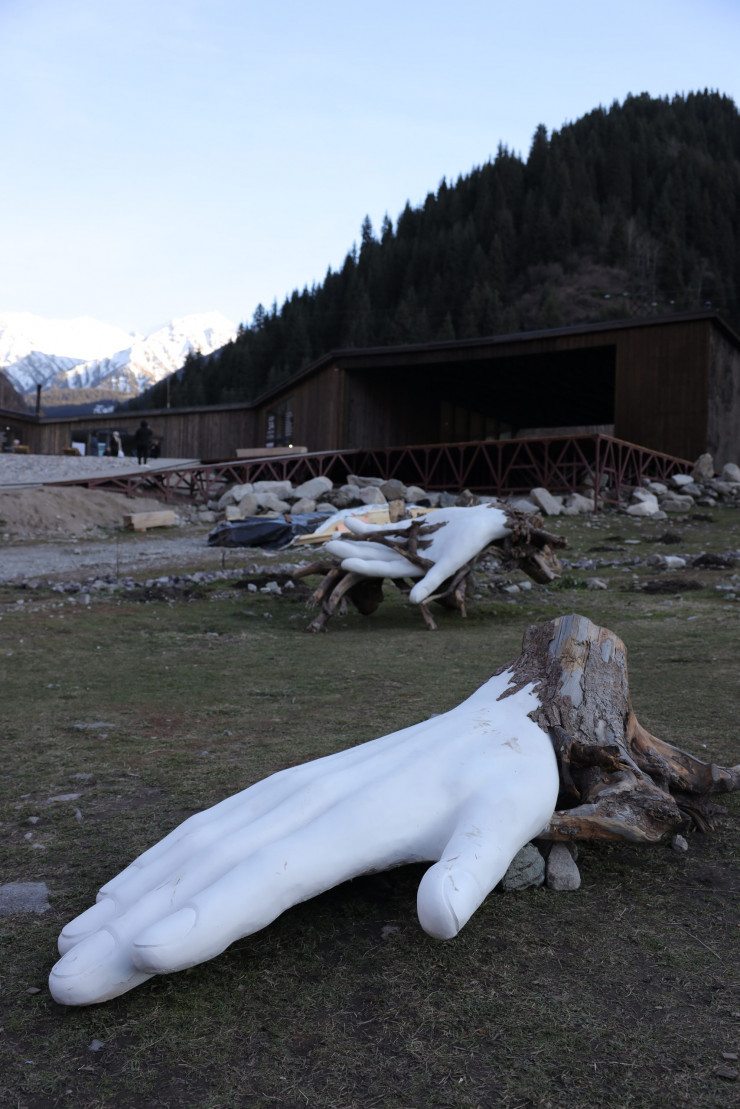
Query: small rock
[596,583]
[680,844]
[95,1045]
[551,506]
[562,872]
[526,869]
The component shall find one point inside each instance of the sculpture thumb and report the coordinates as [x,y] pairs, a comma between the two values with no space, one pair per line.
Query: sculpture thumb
[446,900]
[475,859]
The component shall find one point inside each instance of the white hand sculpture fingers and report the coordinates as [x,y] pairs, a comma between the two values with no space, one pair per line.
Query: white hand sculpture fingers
[392,567]
[361,527]
[256,891]
[373,560]
[491,829]
[400,798]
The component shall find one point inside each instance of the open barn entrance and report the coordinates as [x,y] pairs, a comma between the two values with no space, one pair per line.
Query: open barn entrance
[458,401]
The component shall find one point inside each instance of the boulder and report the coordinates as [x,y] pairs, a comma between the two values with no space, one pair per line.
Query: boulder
[239,492]
[270,502]
[644,496]
[551,506]
[676,502]
[643,508]
[414,494]
[576,503]
[393,490]
[247,506]
[731,473]
[277,488]
[679,480]
[522,504]
[703,468]
[526,869]
[344,497]
[314,489]
[362,482]
[305,504]
[371,494]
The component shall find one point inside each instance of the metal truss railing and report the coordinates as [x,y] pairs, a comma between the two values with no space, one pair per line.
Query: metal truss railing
[558,463]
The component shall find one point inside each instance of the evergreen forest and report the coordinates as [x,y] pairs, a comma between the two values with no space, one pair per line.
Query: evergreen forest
[632,211]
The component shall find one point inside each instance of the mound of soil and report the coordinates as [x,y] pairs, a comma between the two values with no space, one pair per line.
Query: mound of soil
[58,511]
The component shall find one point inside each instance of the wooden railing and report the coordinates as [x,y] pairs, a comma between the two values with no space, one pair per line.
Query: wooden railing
[559,463]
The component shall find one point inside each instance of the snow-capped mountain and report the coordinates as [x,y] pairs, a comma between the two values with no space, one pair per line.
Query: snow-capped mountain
[84,353]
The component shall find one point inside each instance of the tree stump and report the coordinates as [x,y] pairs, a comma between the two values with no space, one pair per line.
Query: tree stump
[617,781]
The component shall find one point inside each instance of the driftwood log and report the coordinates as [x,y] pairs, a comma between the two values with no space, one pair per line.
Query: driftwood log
[527,546]
[617,781]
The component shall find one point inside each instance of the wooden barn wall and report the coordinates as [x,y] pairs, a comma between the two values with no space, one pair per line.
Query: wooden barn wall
[317,407]
[389,409]
[723,419]
[197,433]
[662,378]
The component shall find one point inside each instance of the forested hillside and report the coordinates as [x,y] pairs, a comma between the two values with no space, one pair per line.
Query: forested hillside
[631,211]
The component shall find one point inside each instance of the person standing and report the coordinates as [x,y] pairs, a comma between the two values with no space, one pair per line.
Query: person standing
[143,440]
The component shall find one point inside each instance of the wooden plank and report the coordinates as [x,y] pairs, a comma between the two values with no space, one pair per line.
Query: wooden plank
[140,521]
[266,452]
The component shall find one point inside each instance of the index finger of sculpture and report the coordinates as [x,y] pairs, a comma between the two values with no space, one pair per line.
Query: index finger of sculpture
[361,527]
[372,560]
[466,532]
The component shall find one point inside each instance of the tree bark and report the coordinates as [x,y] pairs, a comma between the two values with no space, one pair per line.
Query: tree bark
[617,781]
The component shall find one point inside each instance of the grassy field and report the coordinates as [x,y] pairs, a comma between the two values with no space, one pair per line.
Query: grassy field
[624,993]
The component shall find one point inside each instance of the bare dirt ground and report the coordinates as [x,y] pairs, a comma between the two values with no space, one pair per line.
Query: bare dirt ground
[60,532]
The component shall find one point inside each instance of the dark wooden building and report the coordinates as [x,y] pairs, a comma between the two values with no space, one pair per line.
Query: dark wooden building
[671,384]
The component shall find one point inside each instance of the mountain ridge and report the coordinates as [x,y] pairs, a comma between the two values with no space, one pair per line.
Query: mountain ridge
[84,353]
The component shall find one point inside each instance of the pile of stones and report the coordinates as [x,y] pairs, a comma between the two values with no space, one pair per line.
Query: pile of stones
[319,494]
[685,491]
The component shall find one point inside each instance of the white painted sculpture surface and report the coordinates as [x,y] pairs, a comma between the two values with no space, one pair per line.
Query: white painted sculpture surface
[465,790]
[463,534]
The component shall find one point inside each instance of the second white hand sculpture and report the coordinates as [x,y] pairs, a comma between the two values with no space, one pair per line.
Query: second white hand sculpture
[465,790]
[440,549]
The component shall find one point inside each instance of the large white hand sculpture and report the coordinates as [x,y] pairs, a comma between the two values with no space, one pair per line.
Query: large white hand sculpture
[461,534]
[466,789]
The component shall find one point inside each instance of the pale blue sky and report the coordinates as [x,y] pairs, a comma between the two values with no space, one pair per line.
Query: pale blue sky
[163,157]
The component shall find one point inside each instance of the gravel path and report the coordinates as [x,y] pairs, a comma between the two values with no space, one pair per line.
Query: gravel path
[75,557]
[40,469]
[144,555]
